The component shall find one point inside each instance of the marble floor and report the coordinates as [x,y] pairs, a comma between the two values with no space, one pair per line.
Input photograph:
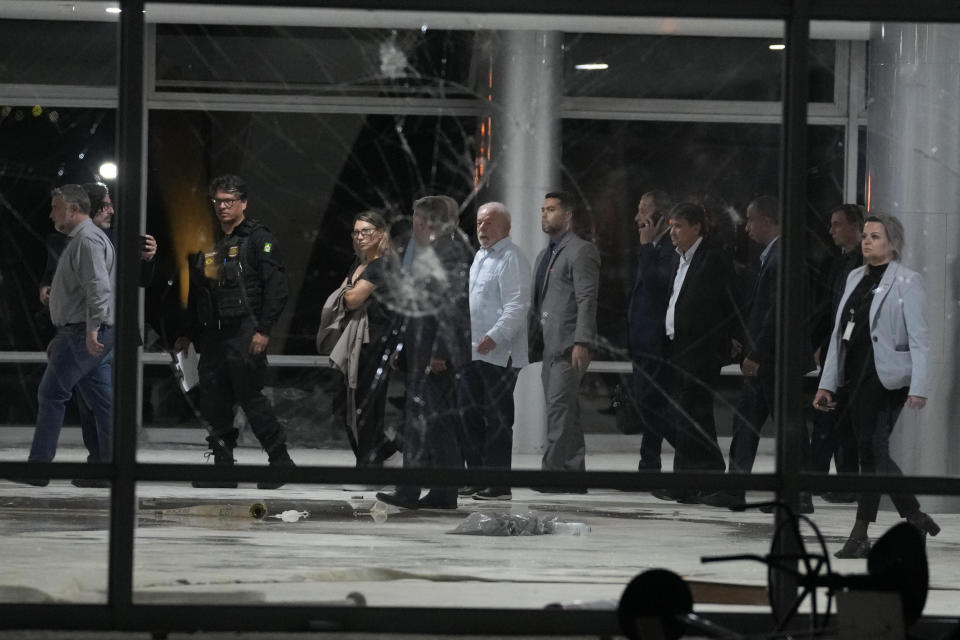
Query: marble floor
[196,545]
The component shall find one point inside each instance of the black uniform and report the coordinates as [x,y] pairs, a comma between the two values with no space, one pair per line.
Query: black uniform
[239,289]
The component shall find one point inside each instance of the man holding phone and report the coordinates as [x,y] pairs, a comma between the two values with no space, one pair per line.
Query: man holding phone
[102,214]
[646,310]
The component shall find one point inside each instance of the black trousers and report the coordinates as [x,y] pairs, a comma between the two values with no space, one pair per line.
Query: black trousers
[372,446]
[693,388]
[650,386]
[431,432]
[754,406]
[230,376]
[874,412]
[485,397]
[832,438]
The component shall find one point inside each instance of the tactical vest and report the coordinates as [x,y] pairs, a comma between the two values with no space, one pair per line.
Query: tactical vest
[232,282]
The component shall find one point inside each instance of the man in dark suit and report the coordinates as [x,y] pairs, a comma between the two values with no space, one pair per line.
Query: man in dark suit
[646,310]
[832,435]
[409,237]
[700,312]
[436,346]
[563,328]
[755,404]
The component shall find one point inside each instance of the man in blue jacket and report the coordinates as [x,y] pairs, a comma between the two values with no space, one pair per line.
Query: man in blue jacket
[646,311]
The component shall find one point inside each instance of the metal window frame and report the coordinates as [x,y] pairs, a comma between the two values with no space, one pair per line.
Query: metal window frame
[121,612]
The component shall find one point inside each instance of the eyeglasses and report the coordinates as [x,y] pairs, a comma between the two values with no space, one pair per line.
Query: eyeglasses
[362,233]
[224,202]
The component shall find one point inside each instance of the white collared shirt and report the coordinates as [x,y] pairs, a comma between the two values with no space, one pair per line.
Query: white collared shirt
[499,299]
[681,275]
[766,252]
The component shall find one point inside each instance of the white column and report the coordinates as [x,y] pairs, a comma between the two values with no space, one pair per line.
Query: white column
[913,168]
[527,89]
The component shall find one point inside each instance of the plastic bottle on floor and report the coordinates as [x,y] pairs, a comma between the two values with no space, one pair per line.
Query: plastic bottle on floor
[291,515]
[572,528]
[379,512]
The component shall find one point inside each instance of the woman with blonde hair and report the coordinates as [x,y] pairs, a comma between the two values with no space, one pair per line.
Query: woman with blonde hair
[878,358]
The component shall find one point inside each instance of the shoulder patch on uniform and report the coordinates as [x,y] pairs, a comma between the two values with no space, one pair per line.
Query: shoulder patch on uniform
[268,247]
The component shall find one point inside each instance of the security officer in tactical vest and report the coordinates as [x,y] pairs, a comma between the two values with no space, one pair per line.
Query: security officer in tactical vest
[237,293]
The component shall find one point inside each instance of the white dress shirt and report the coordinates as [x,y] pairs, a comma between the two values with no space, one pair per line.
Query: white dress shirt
[499,299]
[766,252]
[682,268]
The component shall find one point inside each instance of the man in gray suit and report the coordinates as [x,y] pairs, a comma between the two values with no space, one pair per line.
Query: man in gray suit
[563,328]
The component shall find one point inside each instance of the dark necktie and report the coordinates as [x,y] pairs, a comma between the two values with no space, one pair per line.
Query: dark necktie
[542,273]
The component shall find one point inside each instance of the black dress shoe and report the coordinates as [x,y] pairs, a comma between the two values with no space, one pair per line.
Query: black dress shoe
[854,548]
[398,500]
[724,500]
[670,495]
[494,493]
[431,501]
[36,482]
[924,523]
[839,497]
[434,501]
[90,483]
[469,492]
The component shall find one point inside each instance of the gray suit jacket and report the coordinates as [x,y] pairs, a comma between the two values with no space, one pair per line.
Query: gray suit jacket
[898,327]
[568,307]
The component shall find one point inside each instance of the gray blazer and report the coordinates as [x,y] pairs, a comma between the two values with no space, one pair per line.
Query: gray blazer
[898,326]
[568,308]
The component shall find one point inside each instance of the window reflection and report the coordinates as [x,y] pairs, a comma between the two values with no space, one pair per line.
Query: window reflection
[313,173]
[58,52]
[686,67]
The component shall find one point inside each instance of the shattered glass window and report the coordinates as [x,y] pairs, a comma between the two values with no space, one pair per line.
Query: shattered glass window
[315,61]
[367,153]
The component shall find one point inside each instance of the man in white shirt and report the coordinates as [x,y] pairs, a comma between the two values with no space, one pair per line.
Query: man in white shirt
[499,299]
[697,342]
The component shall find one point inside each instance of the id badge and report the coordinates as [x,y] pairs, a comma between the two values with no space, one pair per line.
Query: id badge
[848,331]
